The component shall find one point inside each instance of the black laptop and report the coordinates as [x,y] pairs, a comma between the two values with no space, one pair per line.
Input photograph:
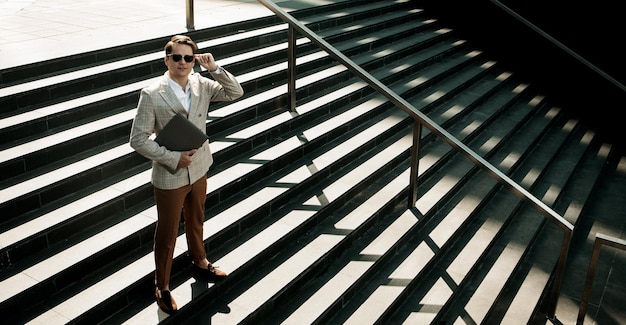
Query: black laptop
[179,134]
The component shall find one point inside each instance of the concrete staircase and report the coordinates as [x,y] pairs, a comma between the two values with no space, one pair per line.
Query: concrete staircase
[306,209]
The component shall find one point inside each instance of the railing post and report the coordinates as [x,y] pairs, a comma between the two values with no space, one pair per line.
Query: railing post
[584,300]
[190,22]
[559,274]
[600,240]
[417,135]
[291,68]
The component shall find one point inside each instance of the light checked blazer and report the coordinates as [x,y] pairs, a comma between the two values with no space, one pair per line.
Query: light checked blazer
[158,104]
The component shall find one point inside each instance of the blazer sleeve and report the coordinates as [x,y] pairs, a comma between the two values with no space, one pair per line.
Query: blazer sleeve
[144,126]
[226,88]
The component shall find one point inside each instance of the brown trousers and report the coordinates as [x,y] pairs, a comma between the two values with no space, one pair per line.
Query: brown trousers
[188,201]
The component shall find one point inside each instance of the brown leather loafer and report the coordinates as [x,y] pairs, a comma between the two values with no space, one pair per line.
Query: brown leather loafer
[211,274]
[165,301]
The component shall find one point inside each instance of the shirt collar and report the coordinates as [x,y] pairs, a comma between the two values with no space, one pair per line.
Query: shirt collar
[175,85]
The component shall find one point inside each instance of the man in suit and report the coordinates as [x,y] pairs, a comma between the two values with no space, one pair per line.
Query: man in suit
[180,178]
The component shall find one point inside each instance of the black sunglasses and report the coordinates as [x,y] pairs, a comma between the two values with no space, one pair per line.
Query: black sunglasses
[178,57]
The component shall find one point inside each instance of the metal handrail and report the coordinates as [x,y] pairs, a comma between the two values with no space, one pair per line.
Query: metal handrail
[420,119]
[600,240]
[560,45]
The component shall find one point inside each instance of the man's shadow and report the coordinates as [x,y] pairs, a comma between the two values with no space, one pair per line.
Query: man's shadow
[199,288]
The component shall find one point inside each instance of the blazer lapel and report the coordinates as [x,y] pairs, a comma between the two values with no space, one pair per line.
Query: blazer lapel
[170,98]
[194,108]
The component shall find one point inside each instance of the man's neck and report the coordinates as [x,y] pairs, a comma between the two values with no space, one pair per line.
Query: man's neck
[181,81]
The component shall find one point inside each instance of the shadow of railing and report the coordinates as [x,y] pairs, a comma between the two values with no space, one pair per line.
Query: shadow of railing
[421,120]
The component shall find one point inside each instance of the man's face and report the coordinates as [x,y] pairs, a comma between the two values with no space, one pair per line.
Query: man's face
[180,68]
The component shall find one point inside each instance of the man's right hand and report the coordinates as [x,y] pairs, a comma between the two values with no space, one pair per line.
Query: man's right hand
[186,157]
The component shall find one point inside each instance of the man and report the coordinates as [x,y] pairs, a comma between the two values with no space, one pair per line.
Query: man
[179,178]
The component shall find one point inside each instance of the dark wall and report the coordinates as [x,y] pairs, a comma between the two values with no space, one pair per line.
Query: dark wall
[593,33]
[594,30]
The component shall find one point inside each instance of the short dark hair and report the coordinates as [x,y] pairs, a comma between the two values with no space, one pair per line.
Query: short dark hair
[180,39]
